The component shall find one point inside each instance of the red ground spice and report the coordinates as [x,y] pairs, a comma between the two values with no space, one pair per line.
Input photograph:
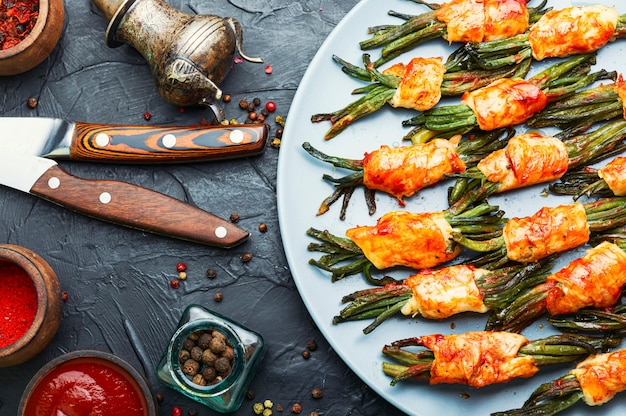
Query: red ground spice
[17,19]
[18,303]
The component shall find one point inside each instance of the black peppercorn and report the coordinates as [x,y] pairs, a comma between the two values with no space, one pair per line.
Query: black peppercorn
[211,273]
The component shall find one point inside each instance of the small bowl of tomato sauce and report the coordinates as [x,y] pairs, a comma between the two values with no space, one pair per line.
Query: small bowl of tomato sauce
[31,304]
[88,382]
[29,31]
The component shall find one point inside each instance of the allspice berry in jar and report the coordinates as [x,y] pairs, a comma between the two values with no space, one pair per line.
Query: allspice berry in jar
[211,359]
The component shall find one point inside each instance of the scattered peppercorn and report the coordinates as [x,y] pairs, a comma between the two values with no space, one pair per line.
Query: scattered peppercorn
[182,275]
[65,296]
[226,98]
[256,101]
[32,102]
[243,104]
[275,143]
[279,408]
[270,106]
[296,408]
[192,412]
[218,297]
[174,283]
[314,413]
[279,133]
[176,411]
[280,120]
[311,345]
[250,394]
[159,397]
[211,273]
[268,404]
[235,217]
[181,267]
[252,115]
[317,393]
[147,116]
[263,227]
[306,354]
[246,257]
[258,408]
[268,69]
[181,109]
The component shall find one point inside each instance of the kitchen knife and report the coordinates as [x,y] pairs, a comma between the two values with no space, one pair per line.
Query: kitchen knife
[117,202]
[60,139]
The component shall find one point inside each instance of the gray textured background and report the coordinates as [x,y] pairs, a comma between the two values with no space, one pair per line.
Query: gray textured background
[117,278]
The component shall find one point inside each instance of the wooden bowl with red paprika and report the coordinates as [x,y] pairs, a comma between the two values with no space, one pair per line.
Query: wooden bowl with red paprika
[31,304]
[29,31]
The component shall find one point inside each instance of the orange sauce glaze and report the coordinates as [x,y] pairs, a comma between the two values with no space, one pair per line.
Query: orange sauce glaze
[614,174]
[528,159]
[420,85]
[596,279]
[550,230]
[400,238]
[402,171]
[478,358]
[601,377]
[505,102]
[483,20]
[571,31]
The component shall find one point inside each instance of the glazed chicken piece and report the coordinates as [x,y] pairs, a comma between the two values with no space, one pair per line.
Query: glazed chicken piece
[595,381]
[573,30]
[478,359]
[403,171]
[550,230]
[614,174]
[593,280]
[483,20]
[420,85]
[442,293]
[505,102]
[601,377]
[400,238]
[528,159]
[596,279]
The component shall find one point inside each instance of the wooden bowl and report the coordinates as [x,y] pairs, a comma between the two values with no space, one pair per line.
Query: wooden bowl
[49,305]
[88,382]
[35,47]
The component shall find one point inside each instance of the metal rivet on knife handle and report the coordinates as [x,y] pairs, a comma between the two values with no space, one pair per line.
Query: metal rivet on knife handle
[103,140]
[169,141]
[54,182]
[221,232]
[236,136]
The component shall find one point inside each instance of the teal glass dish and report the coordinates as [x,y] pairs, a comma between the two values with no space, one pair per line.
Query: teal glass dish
[248,348]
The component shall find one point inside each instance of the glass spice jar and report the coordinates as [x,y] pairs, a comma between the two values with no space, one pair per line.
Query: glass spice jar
[248,347]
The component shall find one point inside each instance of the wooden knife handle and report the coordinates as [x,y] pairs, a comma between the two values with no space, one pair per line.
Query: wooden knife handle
[150,144]
[136,207]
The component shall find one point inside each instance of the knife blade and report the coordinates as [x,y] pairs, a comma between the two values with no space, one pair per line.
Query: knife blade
[59,139]
[117,202]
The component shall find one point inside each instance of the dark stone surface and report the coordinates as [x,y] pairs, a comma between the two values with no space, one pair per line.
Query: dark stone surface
[117,279]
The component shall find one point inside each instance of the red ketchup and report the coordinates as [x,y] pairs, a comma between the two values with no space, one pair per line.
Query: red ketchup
[86,387]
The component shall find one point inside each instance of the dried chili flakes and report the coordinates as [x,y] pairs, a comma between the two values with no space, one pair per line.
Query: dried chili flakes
[17,19]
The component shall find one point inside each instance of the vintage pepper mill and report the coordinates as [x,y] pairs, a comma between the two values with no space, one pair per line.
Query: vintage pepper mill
[190,55]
